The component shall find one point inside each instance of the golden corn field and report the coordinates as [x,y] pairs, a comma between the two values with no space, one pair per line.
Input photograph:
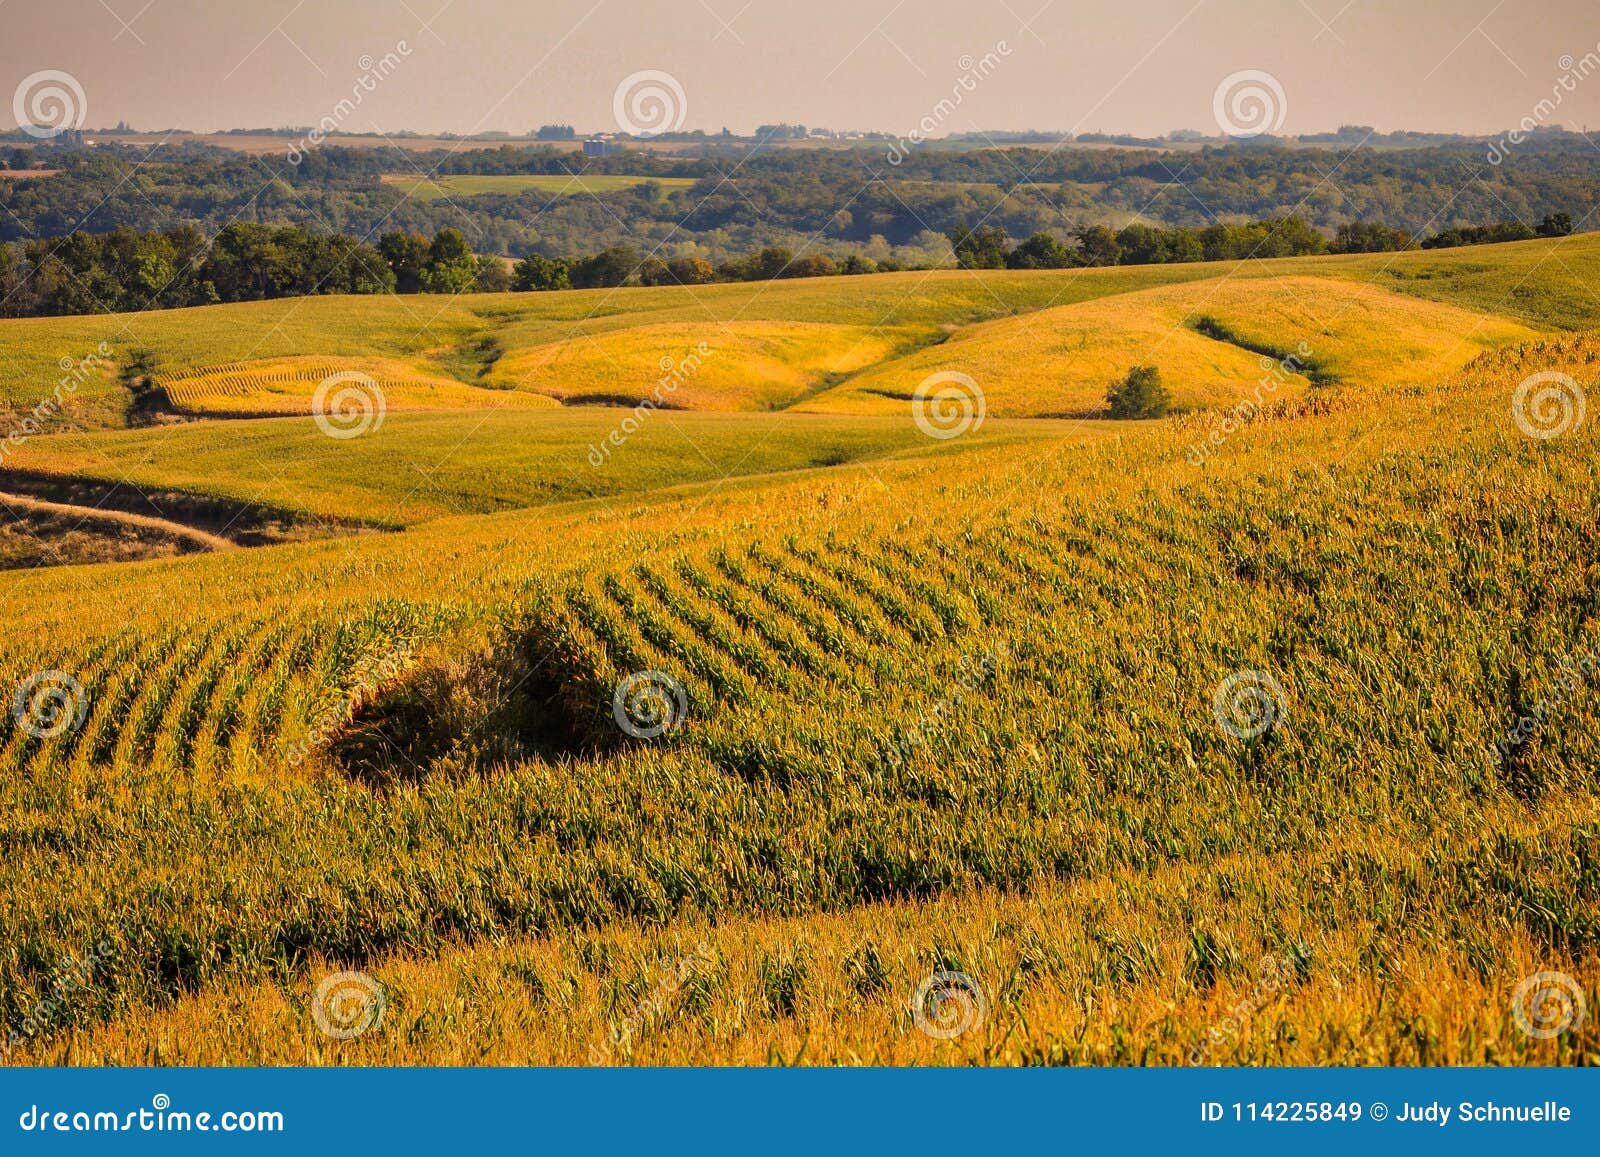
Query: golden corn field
[1165,742]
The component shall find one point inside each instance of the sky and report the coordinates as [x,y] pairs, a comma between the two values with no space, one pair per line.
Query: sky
[1133,66]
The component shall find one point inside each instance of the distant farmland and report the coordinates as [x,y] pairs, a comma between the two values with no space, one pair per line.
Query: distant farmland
[555,184]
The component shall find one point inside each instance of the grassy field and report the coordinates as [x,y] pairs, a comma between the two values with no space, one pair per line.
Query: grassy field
[417,467]
[1180,757]
[1055,340]
[552,184]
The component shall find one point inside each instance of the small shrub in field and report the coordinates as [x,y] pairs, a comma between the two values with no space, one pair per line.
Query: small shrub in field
[1139,395]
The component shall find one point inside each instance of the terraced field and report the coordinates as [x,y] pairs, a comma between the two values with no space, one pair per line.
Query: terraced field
[807,709]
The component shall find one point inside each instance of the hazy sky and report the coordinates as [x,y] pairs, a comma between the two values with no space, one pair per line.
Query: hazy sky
[1142,66]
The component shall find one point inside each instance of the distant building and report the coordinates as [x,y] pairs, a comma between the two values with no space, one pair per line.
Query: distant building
[596,147]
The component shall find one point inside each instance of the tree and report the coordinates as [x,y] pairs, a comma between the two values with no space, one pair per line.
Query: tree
[815,265]
[1370,237]
[983,248]
[1556,225]
[772,262]
[556,133]
[451,266]
[1041,251]
[1139,395]
[1098,246]
[407,255]
[1144,245]
[536,272]
[492,275]
[691,270]
[606,269]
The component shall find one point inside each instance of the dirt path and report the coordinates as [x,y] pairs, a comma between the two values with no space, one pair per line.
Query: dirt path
[119,517]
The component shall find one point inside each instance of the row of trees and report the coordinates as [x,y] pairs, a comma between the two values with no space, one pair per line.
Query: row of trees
[126,270]
[624,265]
[990,247]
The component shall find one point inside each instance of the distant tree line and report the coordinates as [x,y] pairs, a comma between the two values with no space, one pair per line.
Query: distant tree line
[126,270]
[837,200]
[990,247]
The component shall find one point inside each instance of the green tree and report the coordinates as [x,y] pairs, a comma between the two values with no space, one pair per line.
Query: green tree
[536,272]
[1099,246]
[492,276]
[691,270]
[983,248]
[606,269]
[407,255]
[1139,395]
[451,266]
[1041,251]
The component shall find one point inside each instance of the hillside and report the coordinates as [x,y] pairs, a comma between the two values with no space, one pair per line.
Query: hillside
[1063,705]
